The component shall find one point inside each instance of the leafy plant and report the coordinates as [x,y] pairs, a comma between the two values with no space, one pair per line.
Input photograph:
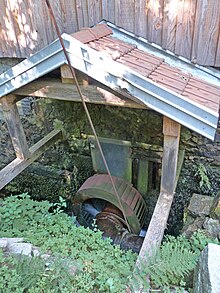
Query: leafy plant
[101,267]
[98,265]
[172,263]
[166,267]
[9,279]
[203,177]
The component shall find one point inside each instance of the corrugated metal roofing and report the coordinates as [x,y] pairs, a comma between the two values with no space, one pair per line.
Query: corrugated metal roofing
[152,67]
[123,67]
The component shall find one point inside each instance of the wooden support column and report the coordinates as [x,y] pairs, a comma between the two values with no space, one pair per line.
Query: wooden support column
[155,232]
[15,127]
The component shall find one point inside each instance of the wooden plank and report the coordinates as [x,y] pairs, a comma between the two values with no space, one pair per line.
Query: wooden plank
[124,14]
[3,34]
[206,33]
[40,34]
[108,10]
[18,20]
[154,11]
[67,92]
[15,127]
[140,25]
[82,13]
[69,16]
[9,30]
[143,176]
[158,221]
[8,173]
[66,76]
[217,57]
[171,131]
[185,28]
[94,11]
[169,24]
[30,31]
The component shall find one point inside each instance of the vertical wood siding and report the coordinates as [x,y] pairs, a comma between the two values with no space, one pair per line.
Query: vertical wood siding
[189,28]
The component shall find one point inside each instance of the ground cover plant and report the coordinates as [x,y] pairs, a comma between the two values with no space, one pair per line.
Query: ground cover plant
[81,261]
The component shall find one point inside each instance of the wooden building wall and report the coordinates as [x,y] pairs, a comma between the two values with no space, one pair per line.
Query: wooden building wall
[190,28]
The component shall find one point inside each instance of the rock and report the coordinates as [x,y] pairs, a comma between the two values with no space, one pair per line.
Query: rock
[200,205]
[13,240]
[3,244]
[206,276]
[20,248]
[215,209]
[212,227]
[188,230]
[35,251]
[186,135]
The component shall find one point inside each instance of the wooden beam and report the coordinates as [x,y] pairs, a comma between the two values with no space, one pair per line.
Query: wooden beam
[66,76]
[18,165]
[15,127]
[155,232]
[55,89]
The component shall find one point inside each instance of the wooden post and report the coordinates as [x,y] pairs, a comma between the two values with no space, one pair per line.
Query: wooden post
[15,127]
[155,232]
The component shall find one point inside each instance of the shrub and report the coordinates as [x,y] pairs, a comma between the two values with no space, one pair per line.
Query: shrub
[100,266]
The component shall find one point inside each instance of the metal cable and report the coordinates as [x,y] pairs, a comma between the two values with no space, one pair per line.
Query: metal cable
[86,109]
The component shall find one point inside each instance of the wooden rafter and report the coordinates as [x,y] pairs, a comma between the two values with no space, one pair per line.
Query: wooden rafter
[55,89]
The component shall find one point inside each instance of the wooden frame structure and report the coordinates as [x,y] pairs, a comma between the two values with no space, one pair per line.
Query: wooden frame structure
[55,89]
[133,90]
[24,155]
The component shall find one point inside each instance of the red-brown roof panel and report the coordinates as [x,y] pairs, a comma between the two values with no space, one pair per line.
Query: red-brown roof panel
[131,61]
[167,80]
[152,67]
[140,69]
[86,35]
[198,99]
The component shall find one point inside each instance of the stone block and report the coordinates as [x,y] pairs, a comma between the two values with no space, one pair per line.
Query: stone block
[215,209]
[206,276]
[3,243]
[197,224]
[200,205]
[13,240]
[212,227]
[20,248]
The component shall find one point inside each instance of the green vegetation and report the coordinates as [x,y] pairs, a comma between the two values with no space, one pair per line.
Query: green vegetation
[202,175]
[80,260]
[101,267]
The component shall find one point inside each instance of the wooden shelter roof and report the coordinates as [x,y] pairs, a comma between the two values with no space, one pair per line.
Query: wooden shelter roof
[128,70]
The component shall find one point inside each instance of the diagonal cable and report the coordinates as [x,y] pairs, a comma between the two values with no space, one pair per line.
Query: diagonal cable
[86,110]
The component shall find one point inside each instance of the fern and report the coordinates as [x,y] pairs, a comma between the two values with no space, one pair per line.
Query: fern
[31,269]
[203,176]
[165,268]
